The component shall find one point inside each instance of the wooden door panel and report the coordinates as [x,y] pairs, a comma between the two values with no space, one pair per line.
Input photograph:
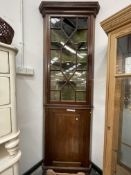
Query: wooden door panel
[64,135]
[67,137]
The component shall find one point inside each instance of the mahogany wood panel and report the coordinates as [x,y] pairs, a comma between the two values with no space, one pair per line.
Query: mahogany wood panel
[67,137]
[77,8]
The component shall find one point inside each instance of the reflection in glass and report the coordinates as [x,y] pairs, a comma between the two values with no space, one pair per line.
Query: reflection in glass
[55,95]
[82,66]
[82,23]
[81,60]
[68,55]
[55,23]
[67,93]
[126,155]
[55,60]
[55,45]
[81,96]
[82,56]
[68,69]
[79,78]
[69,25]
[56,78]
[79,36]
[73,47]
[82,46]
[58,36]
[68,58]
[123,109]
[124,55]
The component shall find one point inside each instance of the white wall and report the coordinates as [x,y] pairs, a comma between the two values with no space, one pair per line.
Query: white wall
[29,89]
[107,8]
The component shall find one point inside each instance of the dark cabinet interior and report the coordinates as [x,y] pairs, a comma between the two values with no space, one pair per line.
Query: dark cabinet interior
[68,80]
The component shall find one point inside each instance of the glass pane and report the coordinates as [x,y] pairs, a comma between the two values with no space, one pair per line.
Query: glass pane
[55,60]
[82,46]
[80,96]
[68,58]
[79,79]
[55,22]
[82,60]
[55,95]
[79,36]
[82,66]
[57,80]
[58,36]
[55,45]
[126,126]
[68,55]
[123,109]
[124,54]
[126,155]
[67,93]
[71,47]
[68,69]
[69,25]
[82,56]
[82,23]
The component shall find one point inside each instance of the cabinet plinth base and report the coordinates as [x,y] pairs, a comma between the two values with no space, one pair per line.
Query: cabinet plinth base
[67,169]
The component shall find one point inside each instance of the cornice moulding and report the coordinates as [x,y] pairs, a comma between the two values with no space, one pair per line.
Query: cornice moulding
[117,20]
[52,7]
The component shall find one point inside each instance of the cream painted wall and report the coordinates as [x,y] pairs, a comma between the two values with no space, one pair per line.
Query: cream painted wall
[29,89]
[108,7]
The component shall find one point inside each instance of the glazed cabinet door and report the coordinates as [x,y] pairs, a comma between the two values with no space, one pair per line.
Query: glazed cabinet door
[123,104]
[67,137]
[68,63]
[119,104]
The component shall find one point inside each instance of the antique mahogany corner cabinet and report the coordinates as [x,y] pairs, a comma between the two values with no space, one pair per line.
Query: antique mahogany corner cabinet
[68,72]
[117,159]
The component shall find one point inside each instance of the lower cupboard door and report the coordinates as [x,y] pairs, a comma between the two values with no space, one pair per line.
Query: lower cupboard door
[67,137]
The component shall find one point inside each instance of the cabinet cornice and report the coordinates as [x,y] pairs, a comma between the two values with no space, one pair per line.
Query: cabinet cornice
[54,7]
[117,20]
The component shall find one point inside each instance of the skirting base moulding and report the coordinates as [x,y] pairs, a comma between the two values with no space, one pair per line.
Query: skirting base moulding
[9,132]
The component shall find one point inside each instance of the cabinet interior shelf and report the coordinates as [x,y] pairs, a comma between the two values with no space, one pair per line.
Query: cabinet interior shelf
[123,75]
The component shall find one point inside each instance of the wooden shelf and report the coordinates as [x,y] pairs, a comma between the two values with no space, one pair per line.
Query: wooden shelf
[123,75]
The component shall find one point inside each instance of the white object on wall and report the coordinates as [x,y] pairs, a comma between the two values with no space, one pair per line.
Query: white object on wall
[22,69]
[9,133]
